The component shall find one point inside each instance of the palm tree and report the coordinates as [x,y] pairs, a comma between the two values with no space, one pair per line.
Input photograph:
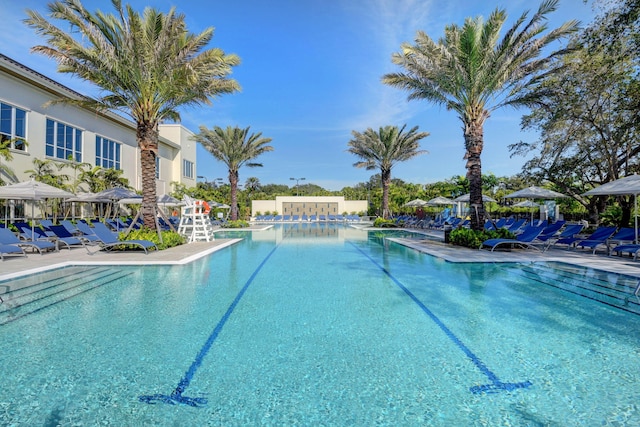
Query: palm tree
[472,72]
[235,148]
[147,66]
[47,171]
[383,149]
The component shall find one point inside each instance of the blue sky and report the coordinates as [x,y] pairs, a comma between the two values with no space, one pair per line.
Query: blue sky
[310,74]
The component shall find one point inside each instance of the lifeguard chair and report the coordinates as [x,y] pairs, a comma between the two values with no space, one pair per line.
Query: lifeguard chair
[195,223]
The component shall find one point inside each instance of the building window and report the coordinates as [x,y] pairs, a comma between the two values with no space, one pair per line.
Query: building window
[187,169]
[63,141]
[157,167]
[107,153]
[13,126]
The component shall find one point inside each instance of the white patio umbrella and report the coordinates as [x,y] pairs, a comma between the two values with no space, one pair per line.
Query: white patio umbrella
[168,200]
[116,194]
[415,203]
[626,186]
[465,198]
[534,192]
[32,190]
[527,204]
[440,201]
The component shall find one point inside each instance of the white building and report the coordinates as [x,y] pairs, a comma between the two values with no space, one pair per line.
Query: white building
[61,132]
[308,205]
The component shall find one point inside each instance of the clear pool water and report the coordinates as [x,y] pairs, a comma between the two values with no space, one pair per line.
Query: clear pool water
[316,325]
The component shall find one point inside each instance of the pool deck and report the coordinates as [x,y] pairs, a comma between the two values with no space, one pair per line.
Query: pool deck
[432,244]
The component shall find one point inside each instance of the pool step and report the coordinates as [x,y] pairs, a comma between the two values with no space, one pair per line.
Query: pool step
[608,288]
[24,298]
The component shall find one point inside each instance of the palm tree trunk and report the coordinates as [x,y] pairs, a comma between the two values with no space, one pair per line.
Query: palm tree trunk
[385,176]
[147,136]
[233,181]
[474,142]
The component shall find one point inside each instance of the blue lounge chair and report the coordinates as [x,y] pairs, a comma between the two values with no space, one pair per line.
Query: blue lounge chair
[517,225]
[523,240]
[11,250]
[624,236]
[550,231]
[598,237]
[8,238]
[571,230]
[107,240]
[630,248]
[63,235]
[49,236]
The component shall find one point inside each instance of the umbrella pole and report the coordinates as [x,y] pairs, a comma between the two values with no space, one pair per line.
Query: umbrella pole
[635,214]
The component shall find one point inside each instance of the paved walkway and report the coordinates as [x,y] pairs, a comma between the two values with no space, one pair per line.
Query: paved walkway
[183,254]
[432,244]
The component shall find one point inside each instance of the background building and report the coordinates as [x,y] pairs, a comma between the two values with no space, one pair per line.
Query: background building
[300,205]
[67,133]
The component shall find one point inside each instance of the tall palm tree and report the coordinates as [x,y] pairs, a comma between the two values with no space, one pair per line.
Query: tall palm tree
[473,72]
[383,149]
[235,148]
[147,66]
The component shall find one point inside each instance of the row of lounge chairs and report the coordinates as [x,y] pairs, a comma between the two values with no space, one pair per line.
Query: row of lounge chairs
[65,235]
[306,218]
[541,237]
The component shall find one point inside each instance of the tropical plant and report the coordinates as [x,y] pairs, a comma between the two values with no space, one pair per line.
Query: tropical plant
[147,66]
[473,72]
[169,238]
[473,238]
[235,148]
[383,149]
[5,153]
[98,178]
[47,171]
[78,168]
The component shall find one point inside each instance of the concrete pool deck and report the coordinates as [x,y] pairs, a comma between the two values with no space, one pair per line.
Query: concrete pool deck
[431,244]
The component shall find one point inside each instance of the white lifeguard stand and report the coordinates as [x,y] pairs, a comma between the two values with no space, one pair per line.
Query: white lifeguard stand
[195,223]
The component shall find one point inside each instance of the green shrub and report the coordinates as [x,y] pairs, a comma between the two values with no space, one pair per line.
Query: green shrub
[381,222]
[169,238]
[473,239]
[240,223]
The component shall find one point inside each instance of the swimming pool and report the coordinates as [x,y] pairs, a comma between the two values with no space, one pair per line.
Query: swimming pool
[315,325]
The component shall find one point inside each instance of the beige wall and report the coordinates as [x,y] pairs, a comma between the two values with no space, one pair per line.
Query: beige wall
[299,205]
[23,88]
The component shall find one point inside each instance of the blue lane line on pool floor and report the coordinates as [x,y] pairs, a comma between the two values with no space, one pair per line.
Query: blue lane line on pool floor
[176,396]
[495,385]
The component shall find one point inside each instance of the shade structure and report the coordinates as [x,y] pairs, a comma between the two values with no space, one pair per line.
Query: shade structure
[116,193]
[526,204]
[623,186]
[165,199]
[534,192]
[87,198]
[415,203]
[626,186]
[440,201]
[32,190]
[465,198]
[168,200]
